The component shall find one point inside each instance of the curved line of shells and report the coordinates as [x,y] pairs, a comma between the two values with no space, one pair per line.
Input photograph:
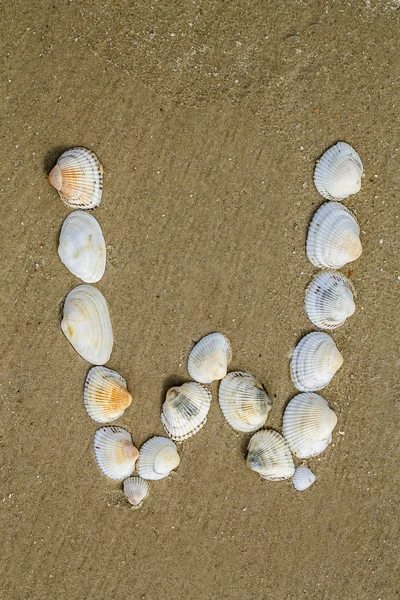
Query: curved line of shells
[333,241]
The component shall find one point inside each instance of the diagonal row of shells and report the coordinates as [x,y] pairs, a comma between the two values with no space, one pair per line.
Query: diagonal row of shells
[308,421]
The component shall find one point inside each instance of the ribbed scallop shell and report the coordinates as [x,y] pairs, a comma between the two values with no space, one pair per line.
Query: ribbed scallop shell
[269,455]
[303,478]
[157,458]
[115,453]
[185,410]
[329,300]
[136,490]
[315,361]
[308,423]
[243,401]
[338,172]
[333,237]
[209,359]
[87,325]
[105,395]
[78,178]
[82,248]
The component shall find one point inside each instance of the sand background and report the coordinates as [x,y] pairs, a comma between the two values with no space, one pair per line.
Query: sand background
[208,118]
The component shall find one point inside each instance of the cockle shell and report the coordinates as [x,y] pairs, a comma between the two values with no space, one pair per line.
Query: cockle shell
[333,237]
[87,325]
[269,455]
[308,423]
[105,395]
[338,172]
[209,359]
[115,453]
[78,178]
[315,361]
[329,300]
[157,458]
[185,410]
[243,401]
[136,490]
[303,478]
[82,248]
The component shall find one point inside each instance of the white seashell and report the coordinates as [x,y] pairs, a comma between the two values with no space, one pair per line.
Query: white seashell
[269,455]
[82,248]
[136,490]
[157,458]
[329,300]
[315,361]
[86,324]
[308,423]
[78,178]
[209,359]
[333,237]
[338,172]
[243,401]
[105,395]
[185,410]
[115,453]
[303,478]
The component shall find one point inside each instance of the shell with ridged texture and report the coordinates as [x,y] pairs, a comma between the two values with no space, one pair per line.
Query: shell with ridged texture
[269,455]
[185,410]
[105,395]
[243,401]
[115,453]
[157,458]
[136,490]
[314,362]
[303,478]
[338,172]
[209,359]
[330,300]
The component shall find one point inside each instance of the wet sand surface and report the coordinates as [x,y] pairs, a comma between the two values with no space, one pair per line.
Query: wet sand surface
[208,118]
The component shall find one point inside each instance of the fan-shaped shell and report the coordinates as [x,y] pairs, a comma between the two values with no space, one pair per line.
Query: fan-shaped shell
[87,325]
[105,395]
[78,178]
[115,453]
[329,300]
[315,361]
[243,401]
[269,455]
[136,490]
[157,458]
[303,478]
[308,423]
[338,172]
[185,410]
[209,359]
[82,248]
[333,237]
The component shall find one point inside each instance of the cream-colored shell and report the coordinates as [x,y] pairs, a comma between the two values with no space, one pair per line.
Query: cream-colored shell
[115,453]
[269,455]
[303,478]
[243,401]
[157,458]
[209,359]
[185,410]
[136,490]
[105,395]
[338,172]
[329,300]
[315,361]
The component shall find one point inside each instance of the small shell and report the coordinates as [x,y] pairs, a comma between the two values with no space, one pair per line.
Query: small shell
[157,458]
[329,300]
[315,361]
[308,423]
[338,172]
[333,237]
[105,395]
[78,178]
[269,455]
[303,478]
[185,410]
[136,490]
[209,359]
[115,453]
[82,248]
[243,401]
[87,325]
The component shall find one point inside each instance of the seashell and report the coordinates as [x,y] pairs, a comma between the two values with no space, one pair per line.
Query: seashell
[333,237]
[303,478]
[105,395]
[209,359]
[115,453]
[269,455]
[243,401]
[82,248]
[338,172]
[185,410]
[308,423]
[136,490]
[329,300]
[315,361]
[78,178]
[157,458]
[86,324]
